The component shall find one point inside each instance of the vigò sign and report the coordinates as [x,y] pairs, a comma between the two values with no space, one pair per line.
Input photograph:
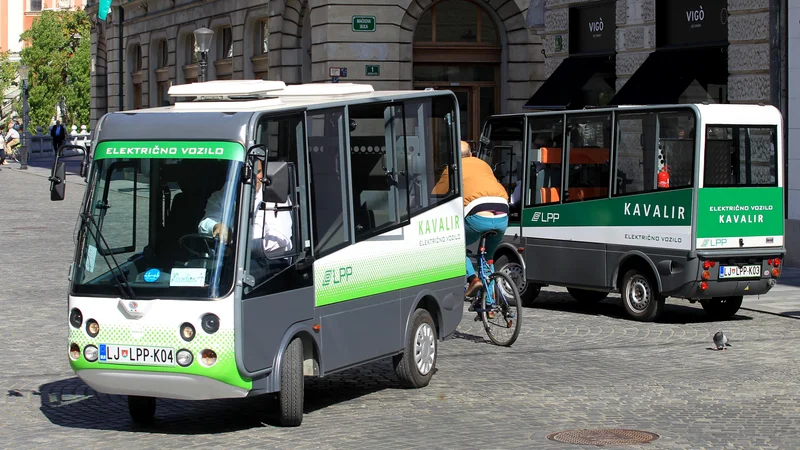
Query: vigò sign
[691,22]
[592,28]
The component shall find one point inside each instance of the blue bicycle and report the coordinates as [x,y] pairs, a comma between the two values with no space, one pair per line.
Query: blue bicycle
[500,312]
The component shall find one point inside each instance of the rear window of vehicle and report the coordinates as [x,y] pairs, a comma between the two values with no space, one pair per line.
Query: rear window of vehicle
[741,156]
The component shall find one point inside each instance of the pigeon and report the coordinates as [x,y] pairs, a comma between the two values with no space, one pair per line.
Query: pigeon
[721,341]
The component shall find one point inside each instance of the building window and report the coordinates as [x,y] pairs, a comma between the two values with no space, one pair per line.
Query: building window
[263,37]
[35,6]
[137,59]
[163,54]
[456,21]
[260,59]
[192,50]
[225,43]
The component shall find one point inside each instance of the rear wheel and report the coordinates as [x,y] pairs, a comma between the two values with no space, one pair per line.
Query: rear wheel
[723,307]
[290,398]
[527,291]
[640,296]
[502,319]
[142,409]
[587,296]
[415,366]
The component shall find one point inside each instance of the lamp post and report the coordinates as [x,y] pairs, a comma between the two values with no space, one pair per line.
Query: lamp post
[203,36]
[23,75]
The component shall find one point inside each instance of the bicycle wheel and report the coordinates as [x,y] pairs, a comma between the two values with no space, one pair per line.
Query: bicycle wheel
[503,318]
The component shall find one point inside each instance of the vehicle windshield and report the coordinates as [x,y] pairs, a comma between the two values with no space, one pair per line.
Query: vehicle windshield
[151,210]
[740,155]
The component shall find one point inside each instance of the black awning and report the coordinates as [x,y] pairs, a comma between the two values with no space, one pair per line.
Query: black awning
[666,74]
[562,90]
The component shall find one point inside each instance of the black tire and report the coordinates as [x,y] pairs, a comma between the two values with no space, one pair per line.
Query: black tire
[723,307]
[416,365]
[504,312]
[142,409]
[527,291]
[586,295]
[640,296]
[290,398]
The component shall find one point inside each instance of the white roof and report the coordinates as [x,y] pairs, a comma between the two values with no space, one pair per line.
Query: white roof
[324,89]
[227,90]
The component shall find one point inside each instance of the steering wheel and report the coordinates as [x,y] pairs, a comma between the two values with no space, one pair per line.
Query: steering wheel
[189,242]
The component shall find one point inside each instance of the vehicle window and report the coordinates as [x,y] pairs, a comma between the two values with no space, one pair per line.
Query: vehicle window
[588,170]
[276,235]
[546,139]
[430,149]
[326,150]
[635,169]
[740,156]
[504,152]
[676,139]
[378,183]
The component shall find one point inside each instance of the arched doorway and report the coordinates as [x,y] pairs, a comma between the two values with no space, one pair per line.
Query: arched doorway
[457,47]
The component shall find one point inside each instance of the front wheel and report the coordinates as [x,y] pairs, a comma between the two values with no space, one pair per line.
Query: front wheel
[290,398]
[142,409]
[640,296]
[416,365]
[502,317]
[723,307]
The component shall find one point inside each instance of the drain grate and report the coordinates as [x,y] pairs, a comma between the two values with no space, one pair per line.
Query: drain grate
[608,436]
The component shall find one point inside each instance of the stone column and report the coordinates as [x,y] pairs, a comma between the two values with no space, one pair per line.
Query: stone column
[636,36]
[748,53]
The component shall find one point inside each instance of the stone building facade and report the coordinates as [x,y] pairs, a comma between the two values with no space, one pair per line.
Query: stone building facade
[483,50]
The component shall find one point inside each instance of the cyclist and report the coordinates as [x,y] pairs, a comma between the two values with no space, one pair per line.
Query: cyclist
[485,208]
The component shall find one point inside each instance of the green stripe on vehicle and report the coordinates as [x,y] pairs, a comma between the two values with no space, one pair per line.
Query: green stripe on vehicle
[170,150]
[667,208]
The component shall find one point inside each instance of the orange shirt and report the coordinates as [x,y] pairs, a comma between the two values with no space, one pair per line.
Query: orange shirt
[478,179]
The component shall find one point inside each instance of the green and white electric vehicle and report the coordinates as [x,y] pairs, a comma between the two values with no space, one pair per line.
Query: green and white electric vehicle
[664,201]
[373,267]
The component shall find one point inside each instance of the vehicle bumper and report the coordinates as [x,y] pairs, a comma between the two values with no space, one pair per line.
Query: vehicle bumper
[158,384]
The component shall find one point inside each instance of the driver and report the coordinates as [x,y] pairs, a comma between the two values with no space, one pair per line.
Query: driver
[272,233]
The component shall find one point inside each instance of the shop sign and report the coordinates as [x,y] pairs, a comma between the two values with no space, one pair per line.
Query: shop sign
[691,22]
[559,44]
[592,28]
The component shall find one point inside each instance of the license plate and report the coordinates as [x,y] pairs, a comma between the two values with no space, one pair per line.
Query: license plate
[132,354]
[740,272]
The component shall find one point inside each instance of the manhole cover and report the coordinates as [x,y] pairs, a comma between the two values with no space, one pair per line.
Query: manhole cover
[610,436]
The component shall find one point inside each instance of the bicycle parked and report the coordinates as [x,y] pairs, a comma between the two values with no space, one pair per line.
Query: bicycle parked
[500,307]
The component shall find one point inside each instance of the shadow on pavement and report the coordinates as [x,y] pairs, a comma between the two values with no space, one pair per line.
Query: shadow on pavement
[71,403]
[676,311]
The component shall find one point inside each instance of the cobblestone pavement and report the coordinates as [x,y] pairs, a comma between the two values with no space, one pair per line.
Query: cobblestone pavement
[572,367]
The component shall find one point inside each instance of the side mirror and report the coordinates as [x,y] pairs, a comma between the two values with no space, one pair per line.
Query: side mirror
[58,175]
[58,183]
[277,183]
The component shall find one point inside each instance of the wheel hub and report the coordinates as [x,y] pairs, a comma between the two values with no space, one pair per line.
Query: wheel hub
[517,275]
[638,293]
[424,348]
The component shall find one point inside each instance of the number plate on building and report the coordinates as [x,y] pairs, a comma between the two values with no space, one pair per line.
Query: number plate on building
[131,354]
[750,271]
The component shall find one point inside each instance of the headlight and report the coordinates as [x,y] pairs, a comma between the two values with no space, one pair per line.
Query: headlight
[184,358]
[210,323]
[90,353]
[76,318]
[74,351]
[187,332]
[92,328]
[208,357]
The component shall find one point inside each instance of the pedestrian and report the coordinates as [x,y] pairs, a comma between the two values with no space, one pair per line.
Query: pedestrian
[58,132]
[12,141]
[2,148]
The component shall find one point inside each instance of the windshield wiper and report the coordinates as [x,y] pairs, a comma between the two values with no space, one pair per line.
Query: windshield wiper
[126,290]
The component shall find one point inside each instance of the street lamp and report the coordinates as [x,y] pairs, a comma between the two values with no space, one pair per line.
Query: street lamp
[23,75]
[203,36]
